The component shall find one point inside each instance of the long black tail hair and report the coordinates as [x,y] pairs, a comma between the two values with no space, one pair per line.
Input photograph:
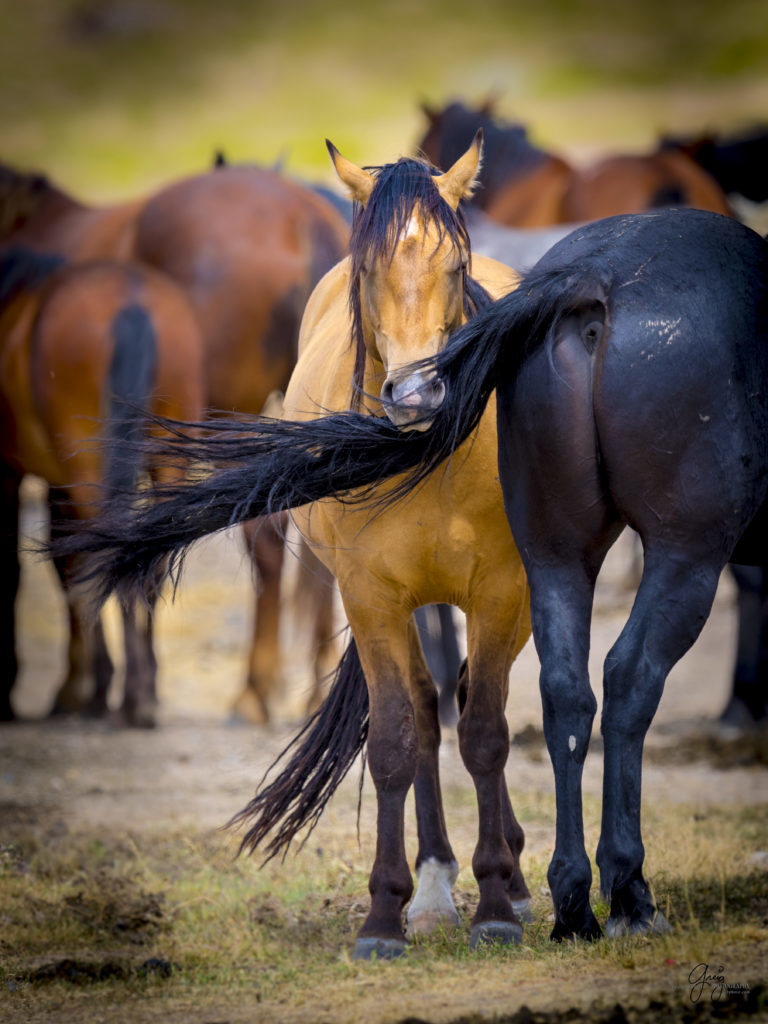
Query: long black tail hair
[130,383]
[307,773]
[265,466]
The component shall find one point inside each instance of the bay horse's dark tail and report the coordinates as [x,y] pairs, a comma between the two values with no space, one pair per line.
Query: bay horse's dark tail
[273,465]
[320,756]
[130,383]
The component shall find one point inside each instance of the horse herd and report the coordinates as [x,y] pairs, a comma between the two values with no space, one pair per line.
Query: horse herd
[434,398]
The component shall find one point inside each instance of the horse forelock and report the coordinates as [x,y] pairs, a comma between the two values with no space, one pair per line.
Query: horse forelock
[404,191]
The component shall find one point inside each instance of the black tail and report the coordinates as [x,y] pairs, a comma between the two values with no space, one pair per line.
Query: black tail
[130,382]
[323,753]
[272,465]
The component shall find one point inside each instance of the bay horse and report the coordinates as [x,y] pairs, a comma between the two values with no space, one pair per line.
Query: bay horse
[246,245]
[520,184]
[86,350]
[524,186]
[631,383]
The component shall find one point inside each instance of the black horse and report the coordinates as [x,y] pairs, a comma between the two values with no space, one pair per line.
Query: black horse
[631,374]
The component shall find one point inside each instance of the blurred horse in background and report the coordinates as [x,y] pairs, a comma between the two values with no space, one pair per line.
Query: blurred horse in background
[246,245]
[519,184]
[524,186]
[86,349]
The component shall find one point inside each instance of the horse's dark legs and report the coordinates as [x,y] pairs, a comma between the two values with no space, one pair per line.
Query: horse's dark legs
[317,594]
[437,631]
[10,575]
[519,893]
[484,745]
[264,542]
[436,866]
[672,605]
[748,702]
[89,667]
[561,632]
[139,707]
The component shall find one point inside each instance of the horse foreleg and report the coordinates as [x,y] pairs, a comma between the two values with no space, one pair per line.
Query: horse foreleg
[671,606]
[484,744]
[436,868]
[265,545]
[10,574]
[393,759]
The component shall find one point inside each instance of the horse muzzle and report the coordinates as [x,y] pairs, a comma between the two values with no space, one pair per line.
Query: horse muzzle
[411,402]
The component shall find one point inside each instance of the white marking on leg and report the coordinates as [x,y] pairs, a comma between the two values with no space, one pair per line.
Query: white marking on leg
[432,904]
[571,743]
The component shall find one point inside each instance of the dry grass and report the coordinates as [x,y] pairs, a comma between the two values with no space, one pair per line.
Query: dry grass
[140,926]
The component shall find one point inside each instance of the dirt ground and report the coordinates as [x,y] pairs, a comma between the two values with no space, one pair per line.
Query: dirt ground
[199,767]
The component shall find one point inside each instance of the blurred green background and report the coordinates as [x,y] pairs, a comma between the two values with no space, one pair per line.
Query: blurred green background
[110,97]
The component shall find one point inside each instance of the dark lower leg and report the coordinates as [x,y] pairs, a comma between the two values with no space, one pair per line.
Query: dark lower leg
[9,586]
[392,759]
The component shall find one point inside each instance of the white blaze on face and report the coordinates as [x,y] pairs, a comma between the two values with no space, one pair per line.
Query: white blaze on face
[411,230]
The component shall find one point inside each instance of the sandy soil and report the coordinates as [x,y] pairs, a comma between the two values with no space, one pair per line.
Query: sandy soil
[202,638]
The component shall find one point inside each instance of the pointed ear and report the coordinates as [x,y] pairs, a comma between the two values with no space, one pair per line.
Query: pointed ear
[431,113]
[460,180]
[359,182]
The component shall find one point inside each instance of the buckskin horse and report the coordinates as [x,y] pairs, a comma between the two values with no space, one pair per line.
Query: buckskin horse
[246,245]
[96,348]
[631,383]
[522,185]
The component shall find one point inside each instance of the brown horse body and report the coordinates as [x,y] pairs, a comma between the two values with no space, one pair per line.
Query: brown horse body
[524,186]
[246,246]
[74,342]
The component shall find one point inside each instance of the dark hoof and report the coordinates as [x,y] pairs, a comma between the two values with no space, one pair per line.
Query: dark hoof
[490,933]
[522,909]
[381,949]
[7,714]
[620,926]
[588,931]
[140,715]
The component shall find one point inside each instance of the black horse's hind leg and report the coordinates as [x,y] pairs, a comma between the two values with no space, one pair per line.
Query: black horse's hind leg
[672,605]
[748,702]
[9,586]
[561,632]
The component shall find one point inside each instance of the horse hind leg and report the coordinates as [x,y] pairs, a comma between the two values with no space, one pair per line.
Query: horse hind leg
[264,543]
[519,893]
[10,575]
[139,706]
[484,744]
[432,906]
[671,607]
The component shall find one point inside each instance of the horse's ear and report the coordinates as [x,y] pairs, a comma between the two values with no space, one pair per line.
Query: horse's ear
[460,180]
[359,182]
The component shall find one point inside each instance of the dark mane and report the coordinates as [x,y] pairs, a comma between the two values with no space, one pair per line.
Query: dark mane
[401,189]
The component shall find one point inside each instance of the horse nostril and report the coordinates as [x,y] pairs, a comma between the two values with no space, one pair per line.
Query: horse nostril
[386,391]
